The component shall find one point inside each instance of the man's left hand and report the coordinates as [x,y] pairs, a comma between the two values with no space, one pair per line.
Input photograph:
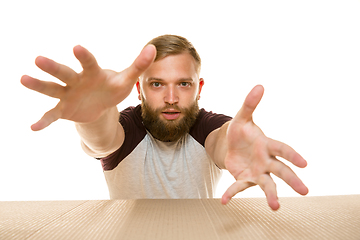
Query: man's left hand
[251,156]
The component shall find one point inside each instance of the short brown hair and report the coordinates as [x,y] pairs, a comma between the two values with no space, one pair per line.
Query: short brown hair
[167,45]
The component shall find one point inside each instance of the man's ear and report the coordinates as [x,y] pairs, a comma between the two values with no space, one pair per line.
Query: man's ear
[201,84]
[138,89]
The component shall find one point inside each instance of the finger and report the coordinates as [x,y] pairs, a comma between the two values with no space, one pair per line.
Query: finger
[48,118]
[249,105]
[48,88]
[280,149]
[235,188]
[61,72]
[268,185]
[141,63]
[87,60]
[284,172]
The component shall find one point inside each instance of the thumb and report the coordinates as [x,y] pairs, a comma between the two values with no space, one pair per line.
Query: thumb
[250,103]
[142,62]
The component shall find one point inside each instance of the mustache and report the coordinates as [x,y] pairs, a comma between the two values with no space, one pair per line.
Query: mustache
[172,106]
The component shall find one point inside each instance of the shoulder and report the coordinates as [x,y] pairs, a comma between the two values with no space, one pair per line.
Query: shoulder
[205,123]
[130,119]
[212,118]
[131,113]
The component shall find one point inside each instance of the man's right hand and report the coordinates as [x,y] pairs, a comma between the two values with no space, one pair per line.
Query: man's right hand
[88,94]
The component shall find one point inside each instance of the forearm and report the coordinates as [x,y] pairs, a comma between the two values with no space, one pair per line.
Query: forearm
[103,136]
[216,145]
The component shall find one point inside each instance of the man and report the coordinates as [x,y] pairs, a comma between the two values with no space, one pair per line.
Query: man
[166,147]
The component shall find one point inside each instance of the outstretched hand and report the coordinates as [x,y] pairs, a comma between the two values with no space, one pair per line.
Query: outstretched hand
[88,94]
[251,156]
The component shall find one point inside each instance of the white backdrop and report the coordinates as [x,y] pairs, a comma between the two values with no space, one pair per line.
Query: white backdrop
[305,53]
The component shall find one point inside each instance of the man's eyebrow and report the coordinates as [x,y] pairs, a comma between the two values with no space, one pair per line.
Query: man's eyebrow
[160,79]
[154,78]
[186,80]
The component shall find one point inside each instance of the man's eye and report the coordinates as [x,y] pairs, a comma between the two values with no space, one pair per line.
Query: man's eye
[185,84]
[156,84]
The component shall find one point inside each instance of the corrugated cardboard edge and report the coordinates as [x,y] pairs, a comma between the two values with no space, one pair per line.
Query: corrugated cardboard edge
[329,217]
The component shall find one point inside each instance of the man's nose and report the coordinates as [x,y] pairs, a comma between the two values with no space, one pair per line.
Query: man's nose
[171,96]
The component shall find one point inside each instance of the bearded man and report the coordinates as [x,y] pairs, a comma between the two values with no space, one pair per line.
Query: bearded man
[166,147]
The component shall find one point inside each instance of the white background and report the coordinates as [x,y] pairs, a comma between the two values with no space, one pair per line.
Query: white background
[305,53]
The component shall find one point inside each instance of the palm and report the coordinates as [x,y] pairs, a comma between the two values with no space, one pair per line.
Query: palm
[85,100]
[243,158]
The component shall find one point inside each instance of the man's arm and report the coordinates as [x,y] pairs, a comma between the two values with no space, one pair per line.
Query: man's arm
[216,145]
[89,98]
[242,148]
[103,136]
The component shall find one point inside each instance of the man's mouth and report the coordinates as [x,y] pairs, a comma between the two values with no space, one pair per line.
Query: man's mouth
[170,114]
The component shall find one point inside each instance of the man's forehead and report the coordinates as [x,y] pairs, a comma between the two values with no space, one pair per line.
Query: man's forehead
[182,63]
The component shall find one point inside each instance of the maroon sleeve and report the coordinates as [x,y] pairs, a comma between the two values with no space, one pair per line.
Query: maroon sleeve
[130,119]
[207,122]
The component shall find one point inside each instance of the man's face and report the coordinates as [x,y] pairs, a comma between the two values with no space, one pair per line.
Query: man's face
[169,90]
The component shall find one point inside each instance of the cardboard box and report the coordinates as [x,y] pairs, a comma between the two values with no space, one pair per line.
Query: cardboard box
[328,217]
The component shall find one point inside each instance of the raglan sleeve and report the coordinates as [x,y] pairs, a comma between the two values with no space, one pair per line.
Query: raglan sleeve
[134,132]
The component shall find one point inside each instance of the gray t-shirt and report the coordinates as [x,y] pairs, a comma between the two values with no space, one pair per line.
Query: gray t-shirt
[144,167]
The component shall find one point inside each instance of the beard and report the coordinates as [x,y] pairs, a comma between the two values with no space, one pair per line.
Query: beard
[168,130]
